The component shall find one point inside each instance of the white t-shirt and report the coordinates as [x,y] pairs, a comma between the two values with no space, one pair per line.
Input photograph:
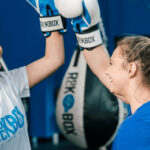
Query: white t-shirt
[13,123]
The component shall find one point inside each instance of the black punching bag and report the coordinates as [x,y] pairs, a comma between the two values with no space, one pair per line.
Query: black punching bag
[87,114]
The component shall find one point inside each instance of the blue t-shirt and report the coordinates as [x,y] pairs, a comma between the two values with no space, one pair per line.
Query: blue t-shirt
[134,132]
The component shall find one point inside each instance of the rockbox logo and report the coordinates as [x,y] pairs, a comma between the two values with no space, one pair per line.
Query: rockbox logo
[68,103]
[52,23]
[86,40]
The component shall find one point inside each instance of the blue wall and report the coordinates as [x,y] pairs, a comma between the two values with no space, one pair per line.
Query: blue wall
[23,42]
[125,16]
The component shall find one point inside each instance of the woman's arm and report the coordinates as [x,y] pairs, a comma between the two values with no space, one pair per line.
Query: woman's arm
[98,60]
[53,59]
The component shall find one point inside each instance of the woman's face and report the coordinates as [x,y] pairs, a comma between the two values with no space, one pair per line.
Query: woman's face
[118,76]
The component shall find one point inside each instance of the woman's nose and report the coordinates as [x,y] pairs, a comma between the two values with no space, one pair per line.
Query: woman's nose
[107,72]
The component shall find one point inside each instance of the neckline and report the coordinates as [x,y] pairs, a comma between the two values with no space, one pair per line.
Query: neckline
[141,107]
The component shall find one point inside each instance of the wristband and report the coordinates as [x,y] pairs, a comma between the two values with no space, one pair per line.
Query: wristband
[53,23]
[89,39]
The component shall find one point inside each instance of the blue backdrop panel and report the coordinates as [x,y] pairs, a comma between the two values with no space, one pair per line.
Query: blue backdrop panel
[126,16]
[20,33]
[23,42]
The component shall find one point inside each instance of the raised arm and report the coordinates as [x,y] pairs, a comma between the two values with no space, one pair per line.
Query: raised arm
[98,60]
[50,20]
[85,15]
[53,59]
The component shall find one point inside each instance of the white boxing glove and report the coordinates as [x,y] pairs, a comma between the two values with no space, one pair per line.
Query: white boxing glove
[69,8]
[85,16]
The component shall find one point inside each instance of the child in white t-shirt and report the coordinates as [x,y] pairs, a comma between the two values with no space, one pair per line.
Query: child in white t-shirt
[15,84]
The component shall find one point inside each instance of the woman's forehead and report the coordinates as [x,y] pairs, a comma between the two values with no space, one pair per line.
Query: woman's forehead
[117,54]
[1,50]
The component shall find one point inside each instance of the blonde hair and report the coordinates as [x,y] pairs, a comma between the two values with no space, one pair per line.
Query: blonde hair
[137,48]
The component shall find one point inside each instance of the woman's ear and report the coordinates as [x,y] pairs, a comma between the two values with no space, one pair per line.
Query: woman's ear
[132,69]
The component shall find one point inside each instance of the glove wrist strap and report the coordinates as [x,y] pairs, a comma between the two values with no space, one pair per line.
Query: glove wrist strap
[89,39]
[52,23]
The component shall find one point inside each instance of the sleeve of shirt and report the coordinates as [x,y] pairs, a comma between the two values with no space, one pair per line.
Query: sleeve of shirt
[18,79]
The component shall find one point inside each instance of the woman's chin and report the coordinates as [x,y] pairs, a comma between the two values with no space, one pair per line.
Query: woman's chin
[112,90]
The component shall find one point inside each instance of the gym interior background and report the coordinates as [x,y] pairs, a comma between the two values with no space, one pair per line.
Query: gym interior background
[23,42]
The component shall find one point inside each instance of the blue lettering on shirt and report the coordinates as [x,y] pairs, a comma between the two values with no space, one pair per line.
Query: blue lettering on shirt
[19,116]
[10,123]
